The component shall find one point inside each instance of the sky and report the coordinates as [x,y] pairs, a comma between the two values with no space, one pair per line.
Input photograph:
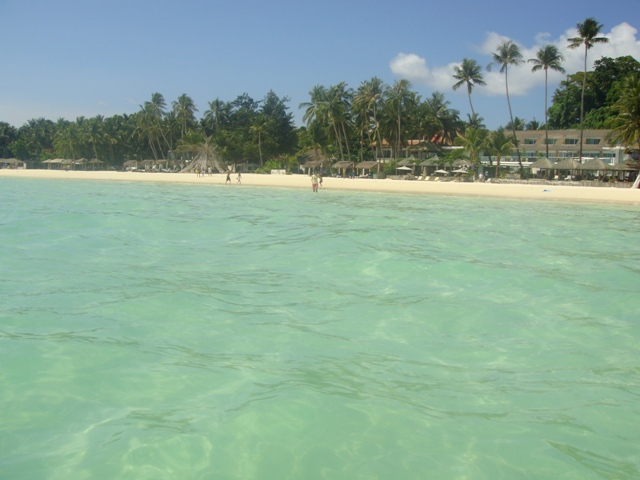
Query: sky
[71,58]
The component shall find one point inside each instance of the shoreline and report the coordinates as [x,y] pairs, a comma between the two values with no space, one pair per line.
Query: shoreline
[554,193]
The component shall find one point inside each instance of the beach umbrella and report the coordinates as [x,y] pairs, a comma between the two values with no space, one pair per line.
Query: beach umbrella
[460,170]
[444,172]
[404,168]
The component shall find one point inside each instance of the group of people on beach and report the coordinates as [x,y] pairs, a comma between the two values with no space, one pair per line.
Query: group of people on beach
[200,172]
[238,178]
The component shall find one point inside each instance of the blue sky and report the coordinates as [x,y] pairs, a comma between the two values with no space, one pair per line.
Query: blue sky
[70,58]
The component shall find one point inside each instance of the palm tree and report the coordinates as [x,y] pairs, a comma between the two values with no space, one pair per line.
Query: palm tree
[507,54]
[588,32]
[366,102]
[396,98]
[259,128]
[626,124]
[548,57]
[499,144]
[474,141]
[338,108]
[444,120]
[518,124]
[469,73]
[153,112]
[67,141]
[476,121]
[184,110]
[533,125]
[218,112]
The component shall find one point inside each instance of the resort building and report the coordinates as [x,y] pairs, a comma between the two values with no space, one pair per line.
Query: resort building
[566,144]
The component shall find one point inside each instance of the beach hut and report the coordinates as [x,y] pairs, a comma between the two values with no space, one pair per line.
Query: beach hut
[367,165]
[130,165]
[13,163]
[568,164]
[430,163]
[624,169]
[342,165]
[595,164]
[94,162]
[542,164]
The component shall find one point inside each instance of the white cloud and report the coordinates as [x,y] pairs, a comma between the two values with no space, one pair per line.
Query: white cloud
[410,66]
[622,41]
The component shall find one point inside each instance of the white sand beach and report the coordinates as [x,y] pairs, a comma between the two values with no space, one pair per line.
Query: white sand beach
[556,193]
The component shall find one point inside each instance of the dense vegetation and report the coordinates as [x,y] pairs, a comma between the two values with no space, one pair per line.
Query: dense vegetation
[602,91]
[341,122]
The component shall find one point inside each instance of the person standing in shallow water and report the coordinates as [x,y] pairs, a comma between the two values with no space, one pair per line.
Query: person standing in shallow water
[228,180]
[239,179]
[314,182]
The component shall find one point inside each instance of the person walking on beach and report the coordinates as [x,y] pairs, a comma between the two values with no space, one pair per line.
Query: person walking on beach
[314,182]
[239,179]
[228,180]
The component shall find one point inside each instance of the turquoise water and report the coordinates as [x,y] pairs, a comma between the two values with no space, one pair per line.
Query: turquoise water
[179,332]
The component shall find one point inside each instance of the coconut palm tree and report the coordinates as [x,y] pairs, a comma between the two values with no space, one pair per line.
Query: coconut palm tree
[626,124]
[218,112]
[588,32]
[507,54]
[184,110]
[444,120]
[396,98]
[468,72]
[67,141]
[473,140]
[259,128]
[154,111]
[499,144]
[548,57]
[367,102]
[338,108]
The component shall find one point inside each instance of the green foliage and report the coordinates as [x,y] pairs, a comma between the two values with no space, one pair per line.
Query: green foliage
[8,135]
[390,167]
[603,88]
[626,122]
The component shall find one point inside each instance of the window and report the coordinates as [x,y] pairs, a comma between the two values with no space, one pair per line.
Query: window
[530,141]
[570,141]
[551,141]
[593,141]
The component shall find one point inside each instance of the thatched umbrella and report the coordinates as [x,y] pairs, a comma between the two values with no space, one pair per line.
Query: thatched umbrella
[543,164]
[567,164]
[93,162]
[628,165]
[461,162]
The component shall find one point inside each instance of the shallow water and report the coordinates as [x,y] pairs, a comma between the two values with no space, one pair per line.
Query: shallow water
[174,331]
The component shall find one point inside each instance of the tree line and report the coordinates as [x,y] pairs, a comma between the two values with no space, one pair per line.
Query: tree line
[341,122]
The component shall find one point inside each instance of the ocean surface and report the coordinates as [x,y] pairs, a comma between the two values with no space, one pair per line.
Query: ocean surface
[208,332]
